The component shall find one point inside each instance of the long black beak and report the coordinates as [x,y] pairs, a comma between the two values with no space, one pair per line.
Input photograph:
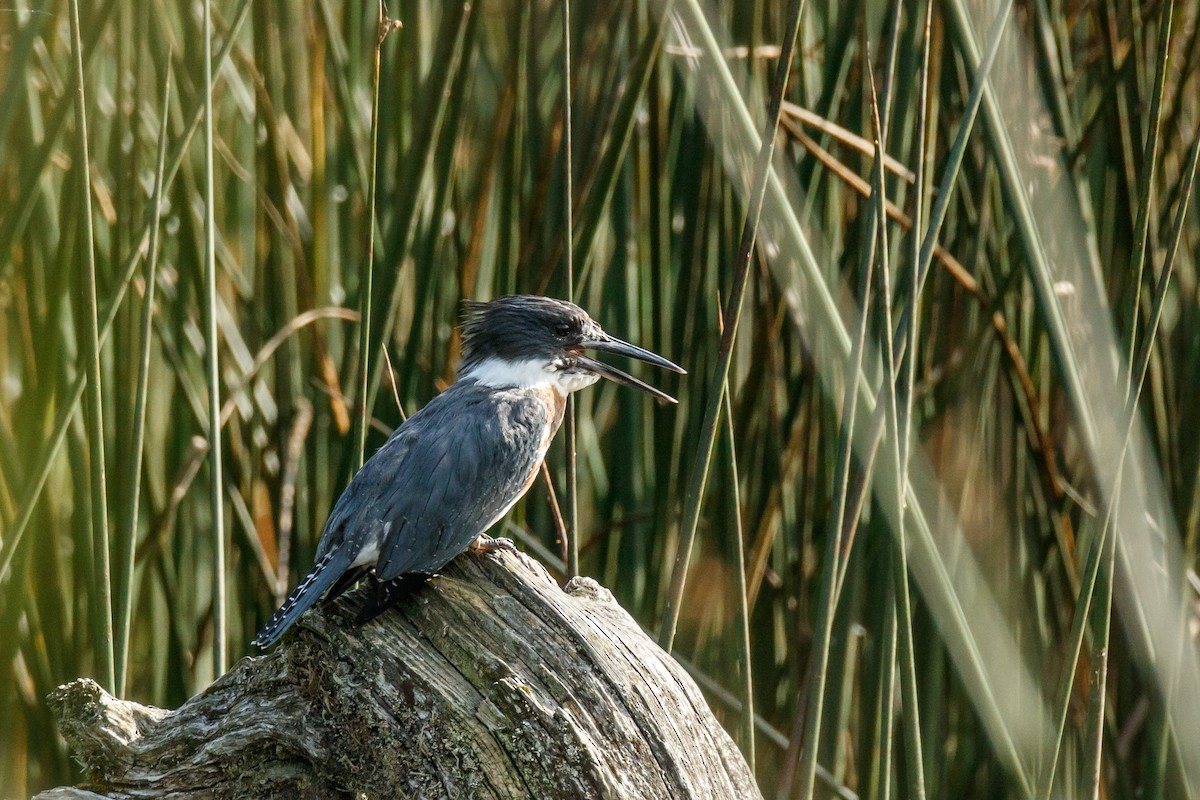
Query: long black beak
[611,344]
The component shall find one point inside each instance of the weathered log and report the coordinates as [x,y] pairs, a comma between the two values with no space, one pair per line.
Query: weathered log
[489,682]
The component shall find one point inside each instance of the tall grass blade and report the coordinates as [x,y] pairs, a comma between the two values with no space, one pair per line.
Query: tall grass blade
[1149,165]
[913,747]
[833,563]
[220,654]
[141,389]
[743,606]
[882,734]
[1102,608]
[366,280]
[94,406]
[572,521]
[898,425]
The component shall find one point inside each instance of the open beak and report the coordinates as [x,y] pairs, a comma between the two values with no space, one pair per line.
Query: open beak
[611,344]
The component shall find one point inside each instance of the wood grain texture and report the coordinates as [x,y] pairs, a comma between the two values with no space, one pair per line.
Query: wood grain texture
[490,682]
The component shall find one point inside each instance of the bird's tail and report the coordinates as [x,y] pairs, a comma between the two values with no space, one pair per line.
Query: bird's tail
[324,574]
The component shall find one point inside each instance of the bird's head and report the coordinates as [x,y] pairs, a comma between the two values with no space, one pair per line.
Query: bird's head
[527,340]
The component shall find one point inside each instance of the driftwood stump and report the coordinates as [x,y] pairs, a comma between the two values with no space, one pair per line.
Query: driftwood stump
[489,682]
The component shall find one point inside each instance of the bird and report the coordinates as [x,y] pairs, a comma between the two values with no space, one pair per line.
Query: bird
[454,468]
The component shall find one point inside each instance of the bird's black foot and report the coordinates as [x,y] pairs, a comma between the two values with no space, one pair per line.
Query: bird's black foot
[486,544]
[385,594]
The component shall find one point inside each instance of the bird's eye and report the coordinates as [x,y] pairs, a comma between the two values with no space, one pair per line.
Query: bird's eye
[562,330]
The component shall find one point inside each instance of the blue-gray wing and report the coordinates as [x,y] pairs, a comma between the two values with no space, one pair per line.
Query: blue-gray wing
[443,478]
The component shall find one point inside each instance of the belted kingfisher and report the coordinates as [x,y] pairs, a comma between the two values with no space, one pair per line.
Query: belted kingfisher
[456,467]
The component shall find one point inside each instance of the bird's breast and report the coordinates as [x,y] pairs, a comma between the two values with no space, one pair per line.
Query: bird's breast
[531,444]
[555,405]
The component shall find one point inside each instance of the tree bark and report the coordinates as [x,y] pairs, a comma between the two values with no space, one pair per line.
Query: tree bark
[489,682]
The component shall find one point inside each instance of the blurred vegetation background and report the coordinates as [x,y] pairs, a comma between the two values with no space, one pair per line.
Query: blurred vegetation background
[1066,271]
